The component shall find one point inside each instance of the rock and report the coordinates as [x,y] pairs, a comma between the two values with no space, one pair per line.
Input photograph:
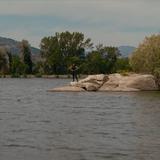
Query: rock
[98,79]
[92,82]
[143,83]
[133,82]
[89,86]
[112,82]
[67,89]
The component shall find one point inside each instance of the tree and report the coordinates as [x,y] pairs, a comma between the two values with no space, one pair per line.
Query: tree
[110,55]
[95,63]
[122,64]
[146,58]
[18,67]
[4,62]
[9,54]
[101,60]
[57,50]
[26,56]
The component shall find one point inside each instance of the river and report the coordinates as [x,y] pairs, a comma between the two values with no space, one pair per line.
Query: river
[40,125]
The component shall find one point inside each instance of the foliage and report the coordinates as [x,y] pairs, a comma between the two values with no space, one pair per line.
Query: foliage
[101,60]
[3,61]
[146,58]
[26,56]
[38,68]
[95,63]
[110,55]
[9,54]
[122,65]
[59,50]
[157,76]
[18,68]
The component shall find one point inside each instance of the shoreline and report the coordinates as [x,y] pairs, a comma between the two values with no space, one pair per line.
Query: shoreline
[112,82]
[43,76]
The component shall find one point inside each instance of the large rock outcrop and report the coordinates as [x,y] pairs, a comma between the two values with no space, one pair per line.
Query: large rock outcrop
[91,83]
[112,82]
[132,82]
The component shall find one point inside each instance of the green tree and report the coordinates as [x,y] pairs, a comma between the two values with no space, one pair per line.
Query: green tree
[122,64]
[57,50]
[18,67]
[4,64]
[9,60]
[95,63]
[146,58]
[101,60]
[26,56]
[110,55]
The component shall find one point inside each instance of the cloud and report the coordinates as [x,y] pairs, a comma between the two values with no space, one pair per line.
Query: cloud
[110,21]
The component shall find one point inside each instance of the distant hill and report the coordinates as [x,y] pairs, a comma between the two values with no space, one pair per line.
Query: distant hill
[126,50]
[13,46]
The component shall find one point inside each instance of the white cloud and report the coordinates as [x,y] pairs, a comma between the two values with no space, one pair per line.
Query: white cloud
[120,13]
[111,21]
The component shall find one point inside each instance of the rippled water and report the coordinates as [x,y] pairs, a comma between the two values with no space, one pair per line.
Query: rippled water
[38,125]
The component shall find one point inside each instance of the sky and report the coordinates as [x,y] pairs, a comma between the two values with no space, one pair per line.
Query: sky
[111,22]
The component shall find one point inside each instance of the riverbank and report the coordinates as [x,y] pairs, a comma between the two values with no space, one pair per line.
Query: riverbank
[43,76]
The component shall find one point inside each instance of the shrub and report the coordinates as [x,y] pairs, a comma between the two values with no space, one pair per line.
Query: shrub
[157,76]
[146,58]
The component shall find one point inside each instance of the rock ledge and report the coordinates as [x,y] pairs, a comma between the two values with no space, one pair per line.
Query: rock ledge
[112,82]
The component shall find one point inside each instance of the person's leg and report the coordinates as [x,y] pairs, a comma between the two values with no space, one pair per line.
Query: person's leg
[73,76]
[76,77]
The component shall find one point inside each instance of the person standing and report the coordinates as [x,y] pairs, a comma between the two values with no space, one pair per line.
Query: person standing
[74,69]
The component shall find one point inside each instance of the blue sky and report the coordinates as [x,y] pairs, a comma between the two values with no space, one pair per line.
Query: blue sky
[111,22]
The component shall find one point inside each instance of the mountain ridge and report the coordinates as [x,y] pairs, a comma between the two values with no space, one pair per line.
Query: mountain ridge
[13,45]
[126,50]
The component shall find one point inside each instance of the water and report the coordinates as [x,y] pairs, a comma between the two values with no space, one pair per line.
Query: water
[38,125]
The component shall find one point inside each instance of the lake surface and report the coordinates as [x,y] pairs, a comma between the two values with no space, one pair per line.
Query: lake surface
[38,125]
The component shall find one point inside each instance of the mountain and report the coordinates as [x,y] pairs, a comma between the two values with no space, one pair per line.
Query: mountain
[126,50]
[13,46]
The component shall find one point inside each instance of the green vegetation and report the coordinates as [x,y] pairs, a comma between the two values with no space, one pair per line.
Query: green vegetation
[101,60]
[146,59]
[61,50]
[18,67]
[157,76]
[3,61]
[26,56]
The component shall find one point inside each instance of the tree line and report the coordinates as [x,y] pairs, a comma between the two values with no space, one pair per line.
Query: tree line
[17,64]
[61,50]
[58,52]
